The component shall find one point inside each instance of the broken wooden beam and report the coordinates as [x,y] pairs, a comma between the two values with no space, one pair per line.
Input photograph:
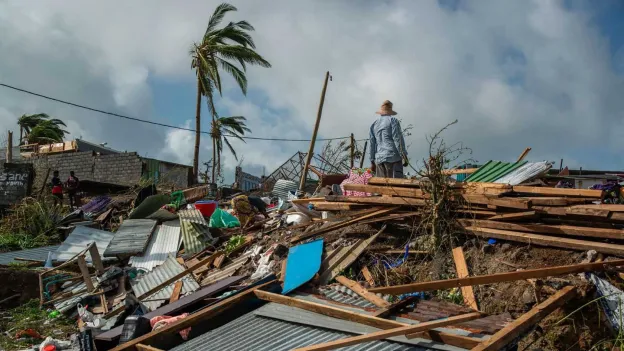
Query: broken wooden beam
[390,217]
[462,272]
[526,321]
[497,278]
[546,240]
[336,206]
[377,200]
[591,232]
[382,334]
[558,191]
[177,289]
[368,276]
[509,202]
[365,294]
[514,216]
[385,190]
[381,323]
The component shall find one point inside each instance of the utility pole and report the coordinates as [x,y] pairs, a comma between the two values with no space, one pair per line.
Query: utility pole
[352,151]
[304,174]
[9,151]
[363,154]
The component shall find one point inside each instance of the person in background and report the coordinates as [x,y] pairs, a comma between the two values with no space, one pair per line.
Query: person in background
[388,155]
[57,188]
[259,204]
[72,187]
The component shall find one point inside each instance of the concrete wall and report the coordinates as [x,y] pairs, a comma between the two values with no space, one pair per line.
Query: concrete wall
[122,169]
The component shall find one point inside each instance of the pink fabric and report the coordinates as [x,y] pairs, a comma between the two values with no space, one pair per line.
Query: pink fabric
[356,178]
[161,321]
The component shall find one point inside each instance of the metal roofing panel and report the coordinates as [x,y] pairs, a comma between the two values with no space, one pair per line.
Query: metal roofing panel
[298,315]
[526,172]
[78,240]
[37,254]
[253,332]
[226,271]
[191,236]
[163,243]
[192,215]
[131,238]
[160,274]
[342,294]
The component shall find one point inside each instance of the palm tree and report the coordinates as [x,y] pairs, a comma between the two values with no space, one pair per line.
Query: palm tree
[47,131]
[44,128]
[220,49]
[221,129]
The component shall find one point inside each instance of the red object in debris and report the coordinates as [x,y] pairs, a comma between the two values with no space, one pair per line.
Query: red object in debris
[28,332]
[206,207]
[49,348]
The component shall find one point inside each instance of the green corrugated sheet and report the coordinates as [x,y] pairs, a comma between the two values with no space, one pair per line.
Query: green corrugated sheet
[493,170]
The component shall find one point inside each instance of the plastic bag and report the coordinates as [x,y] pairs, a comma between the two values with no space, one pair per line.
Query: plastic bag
[222,219]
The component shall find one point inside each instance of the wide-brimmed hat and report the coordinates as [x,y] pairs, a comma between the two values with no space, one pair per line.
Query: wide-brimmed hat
[386,109]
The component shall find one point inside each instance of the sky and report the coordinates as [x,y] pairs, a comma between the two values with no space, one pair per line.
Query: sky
[543,74]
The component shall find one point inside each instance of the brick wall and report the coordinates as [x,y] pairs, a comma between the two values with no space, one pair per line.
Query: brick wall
[122,168]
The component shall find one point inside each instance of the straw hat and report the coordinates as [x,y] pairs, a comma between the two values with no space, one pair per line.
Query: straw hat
[386,109]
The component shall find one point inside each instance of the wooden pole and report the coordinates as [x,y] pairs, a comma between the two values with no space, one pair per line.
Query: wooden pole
[82,264]
[9,151]
[352,151]
[523,154]
[304,174]
[363,154]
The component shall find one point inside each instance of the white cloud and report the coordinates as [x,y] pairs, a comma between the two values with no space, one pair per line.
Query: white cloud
[515,73]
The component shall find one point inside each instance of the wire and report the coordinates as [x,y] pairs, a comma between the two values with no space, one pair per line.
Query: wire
[150,122]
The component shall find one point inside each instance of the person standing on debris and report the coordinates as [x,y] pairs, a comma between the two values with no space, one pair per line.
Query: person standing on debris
[387,148]
[72,187]
[57,188]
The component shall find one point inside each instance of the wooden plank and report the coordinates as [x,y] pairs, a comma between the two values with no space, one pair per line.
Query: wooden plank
[584,211]
[412,183]
[556,201]
[368,276]
[345,258]
[551,210]
[558,191]
[513,216]
[218,261]
[527,320]
[392,216]
[206,261]
[382,334]
[510,202]
[175,294]
[84,270]
[365,294]
[484,188]
[305,201]
[96,259]
[336,206]
[381,323]
[609,207]
[141,347]
[590,232]
[497,278]
[462,272]
[342,224]
[459,171]
[181,261]
[204,314]
[377,200]
[385,190]
[545,240]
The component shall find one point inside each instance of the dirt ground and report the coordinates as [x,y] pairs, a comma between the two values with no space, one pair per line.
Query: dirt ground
[23,282]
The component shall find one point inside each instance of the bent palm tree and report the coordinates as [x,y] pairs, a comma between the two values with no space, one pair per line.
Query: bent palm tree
[221,129]
[44,128]
[218,50]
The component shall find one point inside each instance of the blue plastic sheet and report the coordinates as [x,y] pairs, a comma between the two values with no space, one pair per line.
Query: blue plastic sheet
[302,264]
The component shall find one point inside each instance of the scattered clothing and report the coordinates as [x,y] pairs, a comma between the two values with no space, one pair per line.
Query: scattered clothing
[161,321]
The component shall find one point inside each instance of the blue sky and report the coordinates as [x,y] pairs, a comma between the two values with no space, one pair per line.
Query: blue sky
[544,74]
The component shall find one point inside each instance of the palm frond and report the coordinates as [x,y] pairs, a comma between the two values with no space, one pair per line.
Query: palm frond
[236,35]
[237,52]
[217,16]
[227,142]
[238,75]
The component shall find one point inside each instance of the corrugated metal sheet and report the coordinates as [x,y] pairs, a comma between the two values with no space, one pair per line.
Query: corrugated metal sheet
[226,271]
[297,315]
[253,332]
[96,205]
[66,305]
[160,274]
[344,295]
[524,173]
[282,187]
[493,170]
[78,240]
[191,236]
[38,254]
[163,243]
[193,216]
[131,238]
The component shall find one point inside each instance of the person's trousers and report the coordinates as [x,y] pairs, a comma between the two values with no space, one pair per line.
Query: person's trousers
[390,170]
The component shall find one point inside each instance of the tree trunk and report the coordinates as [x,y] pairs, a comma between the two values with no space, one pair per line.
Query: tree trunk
[197,132]
[19,142]
[214,160]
